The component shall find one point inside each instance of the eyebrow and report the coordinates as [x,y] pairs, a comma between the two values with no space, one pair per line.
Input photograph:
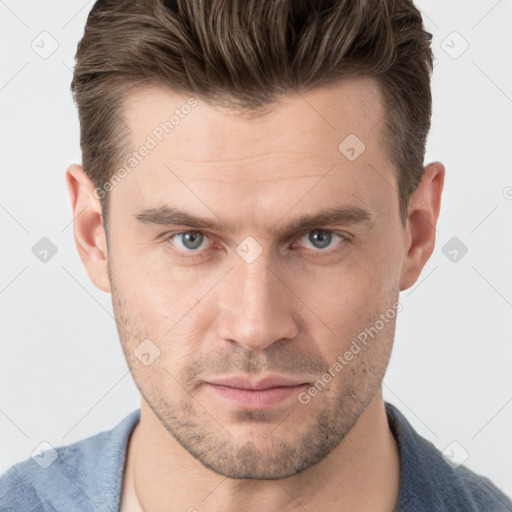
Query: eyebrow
[343,215]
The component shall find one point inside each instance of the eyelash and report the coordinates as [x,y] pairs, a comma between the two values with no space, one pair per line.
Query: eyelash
[202,254]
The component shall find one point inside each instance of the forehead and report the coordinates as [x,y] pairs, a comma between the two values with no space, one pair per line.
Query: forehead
[218,155]
[302,122]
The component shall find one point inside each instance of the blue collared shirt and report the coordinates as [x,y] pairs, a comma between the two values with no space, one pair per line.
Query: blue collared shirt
[88,476]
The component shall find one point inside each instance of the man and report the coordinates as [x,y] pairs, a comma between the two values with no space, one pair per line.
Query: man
[253,196]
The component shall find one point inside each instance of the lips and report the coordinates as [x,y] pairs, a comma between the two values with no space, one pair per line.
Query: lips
[267,392]
[268,382]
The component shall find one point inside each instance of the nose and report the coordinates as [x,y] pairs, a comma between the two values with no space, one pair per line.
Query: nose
[256,305]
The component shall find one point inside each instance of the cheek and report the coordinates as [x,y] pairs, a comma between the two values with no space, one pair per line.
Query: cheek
[149,305]
[351,298]
[161,299]
[175,315]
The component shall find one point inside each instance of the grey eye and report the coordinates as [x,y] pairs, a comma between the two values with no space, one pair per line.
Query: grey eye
[190,240]
[320,239]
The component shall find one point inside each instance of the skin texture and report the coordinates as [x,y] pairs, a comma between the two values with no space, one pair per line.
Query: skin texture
[292,311]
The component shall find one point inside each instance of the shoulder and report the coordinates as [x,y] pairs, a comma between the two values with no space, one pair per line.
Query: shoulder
[429,482]
[480,490]
[85,475]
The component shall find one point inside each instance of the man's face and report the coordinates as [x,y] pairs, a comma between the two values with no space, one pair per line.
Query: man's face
[262,297]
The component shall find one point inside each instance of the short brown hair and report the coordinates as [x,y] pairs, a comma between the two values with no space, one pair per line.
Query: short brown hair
[244,55]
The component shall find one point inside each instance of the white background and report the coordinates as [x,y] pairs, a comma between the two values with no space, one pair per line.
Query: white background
[63,374]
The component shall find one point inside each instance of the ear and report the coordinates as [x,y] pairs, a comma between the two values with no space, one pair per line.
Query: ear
[420,232]
[88,227]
